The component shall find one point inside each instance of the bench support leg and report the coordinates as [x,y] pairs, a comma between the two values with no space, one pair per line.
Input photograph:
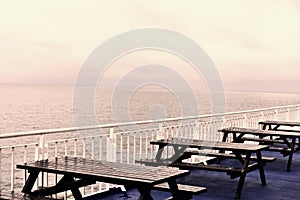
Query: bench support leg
[242,177]
[261,168]
[145,193]
[159,152]
[176,194]
[30,181]
[66,183]
[288,169]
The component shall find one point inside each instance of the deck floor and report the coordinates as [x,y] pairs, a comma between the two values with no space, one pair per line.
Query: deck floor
[281,185]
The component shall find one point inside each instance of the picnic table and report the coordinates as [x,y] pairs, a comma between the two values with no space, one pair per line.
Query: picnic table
[78,172]
[284,142]
[184,148]
[275,125]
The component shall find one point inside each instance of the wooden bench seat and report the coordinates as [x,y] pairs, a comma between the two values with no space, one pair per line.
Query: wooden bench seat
[227,155]
[188,189]
[154,162]
[231,171]
[185,165]
[263,140]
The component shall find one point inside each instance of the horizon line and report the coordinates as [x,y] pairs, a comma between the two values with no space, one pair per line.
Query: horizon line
[72,85]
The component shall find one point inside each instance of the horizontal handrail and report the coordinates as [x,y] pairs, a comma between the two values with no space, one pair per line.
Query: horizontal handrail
[19,145]
[112,125]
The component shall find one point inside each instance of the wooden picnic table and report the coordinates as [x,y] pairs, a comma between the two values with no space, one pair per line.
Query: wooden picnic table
[183,148]
[280,126]
[287,140]
[78,172]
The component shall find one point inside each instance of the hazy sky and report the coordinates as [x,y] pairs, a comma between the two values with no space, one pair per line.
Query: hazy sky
[255,44]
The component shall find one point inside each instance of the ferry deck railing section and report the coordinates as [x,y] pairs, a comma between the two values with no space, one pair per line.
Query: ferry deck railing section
[118,142]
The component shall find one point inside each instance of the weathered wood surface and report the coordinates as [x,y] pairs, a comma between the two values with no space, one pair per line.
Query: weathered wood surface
[289,140]
[259,132]
[88,171]
[209,145]
[240,151]
[283,123]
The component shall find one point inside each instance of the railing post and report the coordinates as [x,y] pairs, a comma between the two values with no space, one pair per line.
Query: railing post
[298,114]
[42,147]
[160,134]
[147,142]
[36,152]
[75,148]
[134,146]
[160,126]
[141,144]
[262,116]
[55,149]
[128,147]
[245,120]
[276,115]
[46,154]
[83,148]
[172,131]
[100,147]
[93,148]
[288,114]
[111,146]
[12,175]
[66,148]
[223,122]
[25,161]
[214,132]
[196,132]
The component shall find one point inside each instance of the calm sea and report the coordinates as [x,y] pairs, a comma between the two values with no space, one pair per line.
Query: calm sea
[25,108]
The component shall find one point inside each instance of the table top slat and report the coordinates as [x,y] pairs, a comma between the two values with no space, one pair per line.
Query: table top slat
[283,123]
[209,144]
[94,168]
[260,132]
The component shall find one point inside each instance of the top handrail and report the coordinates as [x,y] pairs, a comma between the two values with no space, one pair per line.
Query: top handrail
[112,125]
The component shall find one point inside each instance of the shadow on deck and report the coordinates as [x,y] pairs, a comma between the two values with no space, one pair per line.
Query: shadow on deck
[281,185]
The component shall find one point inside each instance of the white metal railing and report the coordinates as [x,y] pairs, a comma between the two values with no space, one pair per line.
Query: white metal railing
[116,144]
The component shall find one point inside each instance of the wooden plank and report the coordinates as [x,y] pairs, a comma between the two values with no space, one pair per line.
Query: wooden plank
[265,140]
[219,168]
[260,132]
[233,172]
[227,155]
[141,177]
[276,124]
[280,149]
[210,144]
[200,166]
[182,188]
[283,123]
[112,172]
[154,162]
